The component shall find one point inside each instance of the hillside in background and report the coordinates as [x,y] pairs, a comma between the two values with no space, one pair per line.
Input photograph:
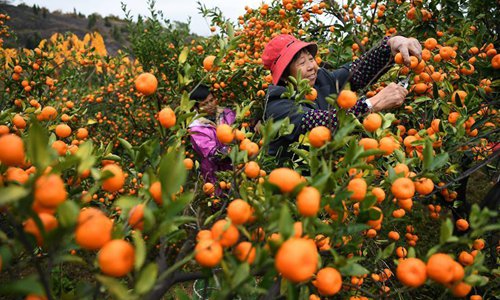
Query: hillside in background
[34,23]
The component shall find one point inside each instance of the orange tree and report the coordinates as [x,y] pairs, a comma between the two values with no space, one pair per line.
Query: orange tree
[100,196]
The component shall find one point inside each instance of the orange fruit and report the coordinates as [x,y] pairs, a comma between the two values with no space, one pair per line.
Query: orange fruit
[49,223]
[372,122]
[16,174]
[495,61]
[48,113]
[11,150]
[388,145]
[188,163]
[203,235]
[420,88]
[167,117]
[462,224]
[478,244]
[224,233]
[465,258]
[19,121]
[347,99]
[297,259]
[403,188]
[93,229]
[401,252]
[308,201]
[146,84]
[379,194]
[63,131]
[252,169]
[358,186]
[286,179]
[393,235]
[430,43]
[402,169]
[319,135]
[328,281]
[412,272]
[225,133]
[458,272]
[312,95]
[476,297]
[60,147]
[398,58]
[239,211]
[424,186]
[244,251]
[208,62]
[440,268]
[155,191]
[208,253]
[461,289]
[208,188]
[461,94]
[453,117]
[115,182]
[82,133]
[50,190]
[447,53]
[136,217]
[375,223]
[116,258]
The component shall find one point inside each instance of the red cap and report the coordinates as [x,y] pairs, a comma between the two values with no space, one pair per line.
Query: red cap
[280,51]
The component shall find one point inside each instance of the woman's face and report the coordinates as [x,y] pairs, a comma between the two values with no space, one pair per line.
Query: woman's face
[209,105]
[306,65]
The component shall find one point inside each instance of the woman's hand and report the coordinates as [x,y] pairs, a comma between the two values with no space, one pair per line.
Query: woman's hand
[406,46]
[391,96]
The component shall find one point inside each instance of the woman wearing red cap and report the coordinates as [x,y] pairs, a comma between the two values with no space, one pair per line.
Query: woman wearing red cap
[287,56]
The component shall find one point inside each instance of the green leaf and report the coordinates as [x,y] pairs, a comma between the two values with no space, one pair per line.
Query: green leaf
[285,222]
[114,286]
[12,194]
[140,249]
[172,173]
[68,213]
[183,55]
[439,161]
[147,279]
[38,145]
[240,275]
[353,269]
[446,231]
[427,154]
[125,144]
[387,251]
[476,280]
[23,287]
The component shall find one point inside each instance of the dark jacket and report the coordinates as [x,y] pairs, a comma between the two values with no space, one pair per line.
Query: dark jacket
[278,108]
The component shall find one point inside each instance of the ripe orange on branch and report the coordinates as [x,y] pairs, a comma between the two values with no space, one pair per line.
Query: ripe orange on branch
[412,272]
[12,151]
[297,259]
[208,253]
[328,281]
[146,83]
[308,201]
[347,99]
[319,135]
[167,117]
[115,182]
[225,133]
[116,258]
[286,179]
[372,122]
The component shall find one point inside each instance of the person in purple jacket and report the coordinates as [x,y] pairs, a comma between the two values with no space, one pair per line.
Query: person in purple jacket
[203,133]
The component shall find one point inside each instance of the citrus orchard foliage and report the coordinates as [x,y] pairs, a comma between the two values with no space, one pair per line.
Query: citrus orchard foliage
[98,174]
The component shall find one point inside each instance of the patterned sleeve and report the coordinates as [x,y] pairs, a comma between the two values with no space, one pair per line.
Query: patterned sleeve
[328,118]
[367,68]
